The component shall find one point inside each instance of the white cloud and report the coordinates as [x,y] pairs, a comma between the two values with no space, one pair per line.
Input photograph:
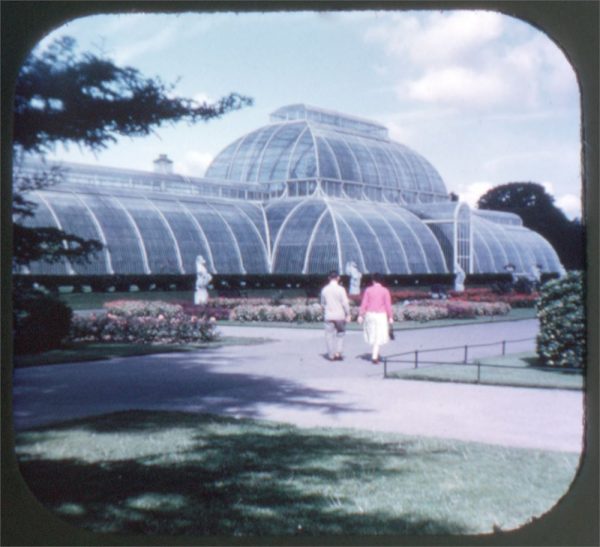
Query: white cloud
[450,37]
[194,163]
[202,97]
[472,192]
[570,204]
[473,59]
[458,85]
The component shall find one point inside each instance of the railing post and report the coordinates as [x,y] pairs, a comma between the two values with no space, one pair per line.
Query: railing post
[385,368]
[503,348]
[416,358]
[466,354]
[478,372]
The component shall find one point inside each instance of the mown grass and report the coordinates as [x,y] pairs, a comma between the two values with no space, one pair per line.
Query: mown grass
[173,473]
[520,370]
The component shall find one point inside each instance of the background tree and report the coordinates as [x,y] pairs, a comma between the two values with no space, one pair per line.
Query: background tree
[536,207]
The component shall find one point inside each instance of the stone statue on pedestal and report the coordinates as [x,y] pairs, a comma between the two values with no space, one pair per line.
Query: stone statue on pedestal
[459,277]
[203,278]
[355,277]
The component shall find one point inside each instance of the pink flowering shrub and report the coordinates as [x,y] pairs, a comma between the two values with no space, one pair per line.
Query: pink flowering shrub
[281,313]
[143,322]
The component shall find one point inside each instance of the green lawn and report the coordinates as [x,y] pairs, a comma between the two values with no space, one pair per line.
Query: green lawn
[499,371]
[172,473]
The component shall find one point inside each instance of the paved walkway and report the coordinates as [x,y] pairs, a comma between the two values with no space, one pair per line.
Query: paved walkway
[289,380]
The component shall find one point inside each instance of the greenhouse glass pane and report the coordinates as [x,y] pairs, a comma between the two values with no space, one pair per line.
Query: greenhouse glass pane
[277,152]
[390,176]
[444,233]
[122,241]
[351,250]
[366,237]
[323,256]
[255,213]
[244,155]
[510,248]
[220,166]
[277,212]
[189,239]
[485,234]
[368,168]
[43,218]
[421,246]
[327,164]
[251,246]
[76,219]
[159,244]
[223,246]
[263,137]
[388,239]
[294,236]
[303,163]
[347,163]
[483,260]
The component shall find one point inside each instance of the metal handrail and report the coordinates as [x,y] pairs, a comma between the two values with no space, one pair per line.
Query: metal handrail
[465,361]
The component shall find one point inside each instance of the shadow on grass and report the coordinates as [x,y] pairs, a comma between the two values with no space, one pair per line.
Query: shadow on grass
[229,477]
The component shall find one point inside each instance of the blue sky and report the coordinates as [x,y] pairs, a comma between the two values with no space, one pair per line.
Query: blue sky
[488,99]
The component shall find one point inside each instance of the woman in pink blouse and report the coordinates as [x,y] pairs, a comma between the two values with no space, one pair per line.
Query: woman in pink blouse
[376,313]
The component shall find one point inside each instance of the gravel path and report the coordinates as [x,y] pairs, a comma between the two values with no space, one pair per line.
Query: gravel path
[288,379]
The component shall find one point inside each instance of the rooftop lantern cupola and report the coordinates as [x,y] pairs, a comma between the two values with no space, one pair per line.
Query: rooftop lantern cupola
[163,165]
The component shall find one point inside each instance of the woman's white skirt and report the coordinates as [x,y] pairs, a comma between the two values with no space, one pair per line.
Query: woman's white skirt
[376,328]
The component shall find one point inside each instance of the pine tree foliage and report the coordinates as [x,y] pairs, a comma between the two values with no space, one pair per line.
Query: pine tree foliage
[63,96]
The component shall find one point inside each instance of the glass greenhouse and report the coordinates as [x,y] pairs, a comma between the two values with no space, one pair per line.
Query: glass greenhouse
[305,194]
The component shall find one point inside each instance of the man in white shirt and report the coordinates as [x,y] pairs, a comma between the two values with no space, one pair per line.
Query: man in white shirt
[336,312]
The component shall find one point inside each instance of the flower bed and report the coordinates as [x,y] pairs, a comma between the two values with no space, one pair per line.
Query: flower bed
[429,310]
[143,322]
[516,300]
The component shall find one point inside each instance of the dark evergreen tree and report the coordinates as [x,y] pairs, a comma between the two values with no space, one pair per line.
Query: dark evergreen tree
[536,207]
[63,96]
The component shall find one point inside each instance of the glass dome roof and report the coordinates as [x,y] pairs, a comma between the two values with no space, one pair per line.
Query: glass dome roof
[304,143]
[317,235]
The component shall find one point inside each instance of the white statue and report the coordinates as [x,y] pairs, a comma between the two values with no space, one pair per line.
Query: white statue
[355,277]
[536,274]
[203,278]
[459,278]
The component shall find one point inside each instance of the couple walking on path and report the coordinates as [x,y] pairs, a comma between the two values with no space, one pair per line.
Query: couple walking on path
[375,315]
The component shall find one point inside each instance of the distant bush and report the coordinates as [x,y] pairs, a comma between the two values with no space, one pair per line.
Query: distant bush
[143,322]
[561,342]
[40,321]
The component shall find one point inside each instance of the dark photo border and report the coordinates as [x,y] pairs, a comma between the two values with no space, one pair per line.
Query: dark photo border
[572,24]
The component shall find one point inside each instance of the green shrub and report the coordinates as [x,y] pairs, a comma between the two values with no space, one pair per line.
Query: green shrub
[143,322]
[561,342]
[40,321]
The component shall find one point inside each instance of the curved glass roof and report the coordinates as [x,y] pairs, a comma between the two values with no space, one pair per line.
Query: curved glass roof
[317,235]
[308,143]
[496,245]
[151,235]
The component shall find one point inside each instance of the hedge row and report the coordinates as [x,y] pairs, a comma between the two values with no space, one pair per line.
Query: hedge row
[561,311]
[427,310]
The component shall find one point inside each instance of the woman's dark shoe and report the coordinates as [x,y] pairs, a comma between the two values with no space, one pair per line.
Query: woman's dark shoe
[338,357]
[375,361]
